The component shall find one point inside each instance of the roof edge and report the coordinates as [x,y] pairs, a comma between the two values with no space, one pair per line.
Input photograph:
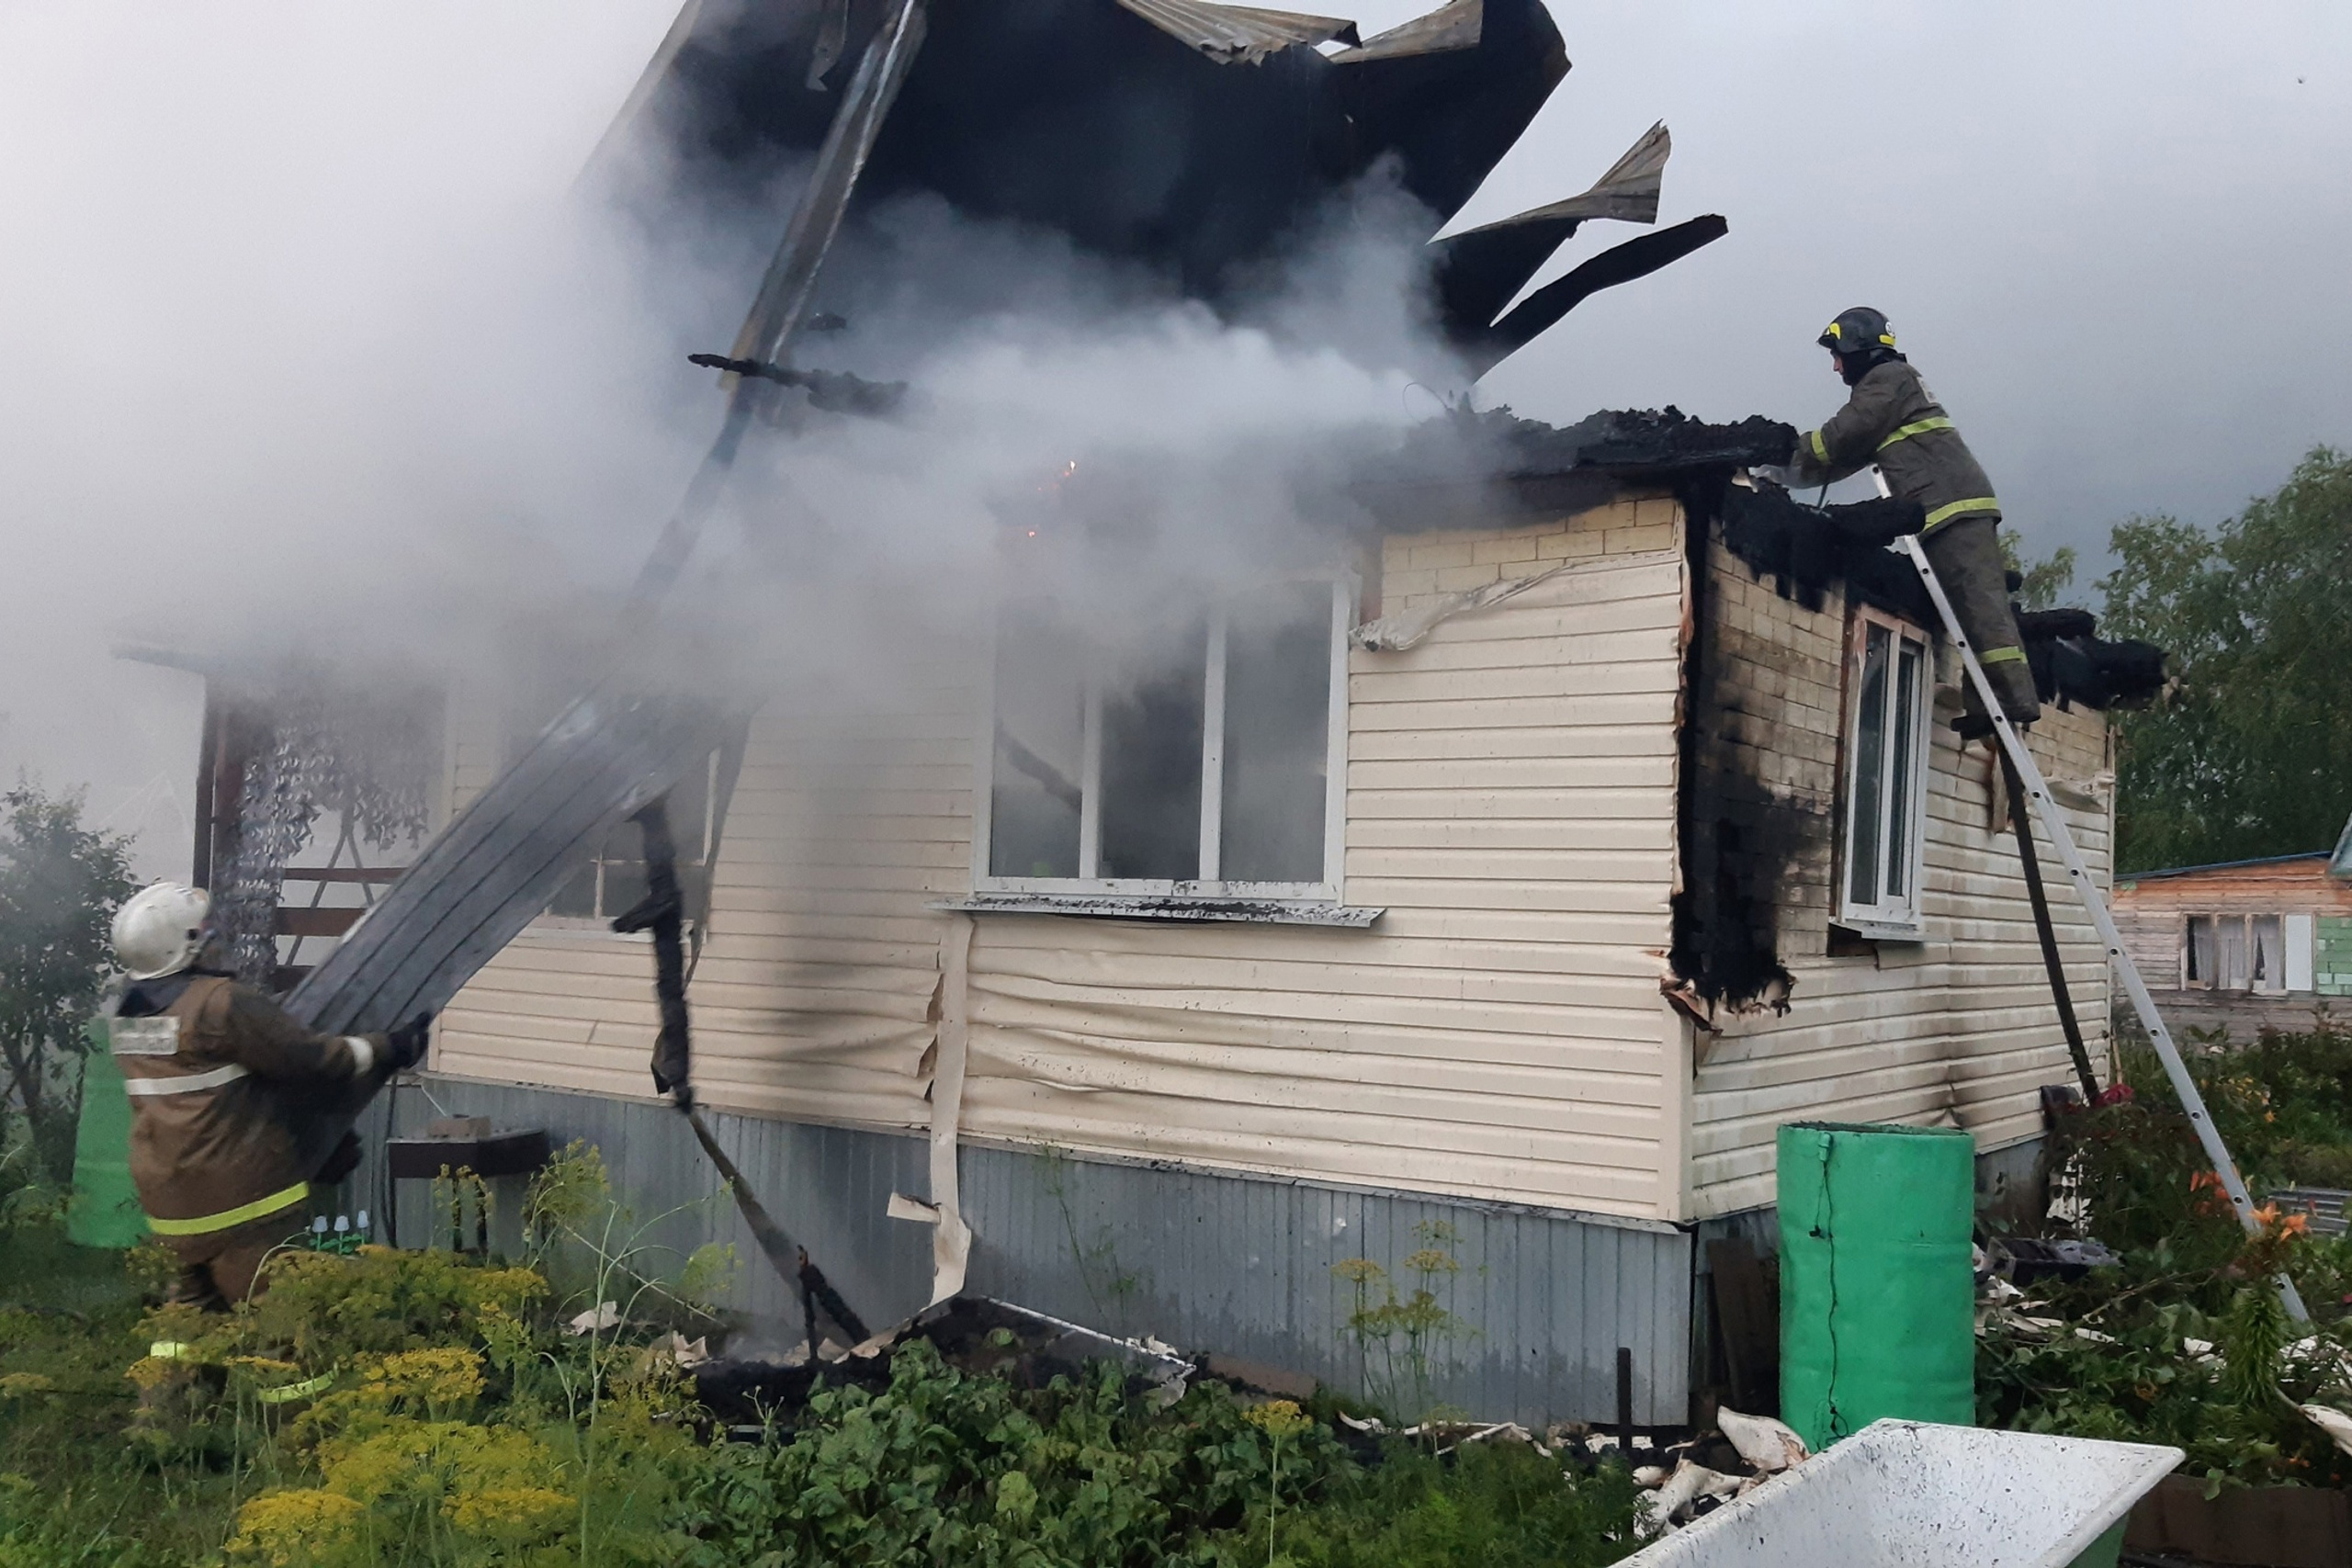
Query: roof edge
[2122,877]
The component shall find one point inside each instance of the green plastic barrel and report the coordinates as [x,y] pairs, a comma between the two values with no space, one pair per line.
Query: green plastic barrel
[1877,1283]
[104,1211]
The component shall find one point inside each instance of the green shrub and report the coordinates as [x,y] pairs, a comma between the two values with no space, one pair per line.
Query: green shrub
[2117,1365]
[406,1408]
[944,1466]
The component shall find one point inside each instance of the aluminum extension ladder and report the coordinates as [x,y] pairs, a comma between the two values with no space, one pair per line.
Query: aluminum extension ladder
[2055,823]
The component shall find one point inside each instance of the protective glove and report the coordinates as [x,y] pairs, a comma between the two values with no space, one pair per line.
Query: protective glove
[1779,476]
[408,1042]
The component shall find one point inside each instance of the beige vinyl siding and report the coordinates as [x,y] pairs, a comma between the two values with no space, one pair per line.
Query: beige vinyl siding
[812,994]
[1959,1028]
[1498,1033]
[816,995]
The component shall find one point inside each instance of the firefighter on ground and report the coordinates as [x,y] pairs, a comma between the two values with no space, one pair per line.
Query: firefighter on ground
[237,1110]
[1893,421]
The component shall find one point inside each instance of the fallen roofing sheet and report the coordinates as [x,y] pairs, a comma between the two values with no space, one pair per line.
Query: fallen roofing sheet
[495,868]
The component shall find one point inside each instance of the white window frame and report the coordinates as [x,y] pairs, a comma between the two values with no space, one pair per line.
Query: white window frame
[1210,885]
[1896,918]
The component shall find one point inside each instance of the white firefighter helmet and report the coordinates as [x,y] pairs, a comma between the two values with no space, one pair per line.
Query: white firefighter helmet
[160,931]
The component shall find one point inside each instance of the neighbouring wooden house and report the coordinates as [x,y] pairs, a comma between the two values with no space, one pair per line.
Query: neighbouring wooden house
[2243,946]
[1473,900]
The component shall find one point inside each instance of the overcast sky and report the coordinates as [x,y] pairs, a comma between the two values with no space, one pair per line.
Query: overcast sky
[2114,237]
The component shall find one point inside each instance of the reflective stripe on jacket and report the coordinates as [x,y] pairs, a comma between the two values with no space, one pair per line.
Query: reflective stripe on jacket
[1893,421]
[222,1086]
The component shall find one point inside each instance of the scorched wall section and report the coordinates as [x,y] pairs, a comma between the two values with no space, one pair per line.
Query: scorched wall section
[1958,1029]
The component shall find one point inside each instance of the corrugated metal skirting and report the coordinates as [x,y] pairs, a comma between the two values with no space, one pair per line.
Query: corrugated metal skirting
[1538,1300]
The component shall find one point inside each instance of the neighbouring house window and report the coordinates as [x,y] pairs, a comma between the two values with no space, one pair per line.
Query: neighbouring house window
[2199,954]
[2230,974]
[1886,756]
[1204,754]
[614,880]
[2266,953]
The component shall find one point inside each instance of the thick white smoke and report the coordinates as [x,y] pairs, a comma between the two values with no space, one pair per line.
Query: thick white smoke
[319,354]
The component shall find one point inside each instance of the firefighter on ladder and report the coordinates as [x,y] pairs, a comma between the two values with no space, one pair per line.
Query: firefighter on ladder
[1892,419]
[238,1110]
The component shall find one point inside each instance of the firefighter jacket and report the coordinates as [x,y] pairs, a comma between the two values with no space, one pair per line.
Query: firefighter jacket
[1893,421]
[230,1099]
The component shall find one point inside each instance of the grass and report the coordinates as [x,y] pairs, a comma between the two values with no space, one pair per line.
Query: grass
[72,1490]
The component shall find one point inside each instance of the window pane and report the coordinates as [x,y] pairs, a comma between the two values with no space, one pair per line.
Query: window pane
[1908,675]
[1151,764]
[625,887]
[577,897]
[2200,950]
[1277,739]
[2269,955]
[1870,770]
[1040,738]
[2232,931]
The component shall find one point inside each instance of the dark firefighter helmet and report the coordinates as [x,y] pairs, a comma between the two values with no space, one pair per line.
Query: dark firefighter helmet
[1857,331]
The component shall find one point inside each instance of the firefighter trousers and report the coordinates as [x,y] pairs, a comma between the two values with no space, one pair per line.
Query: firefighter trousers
[1966,554]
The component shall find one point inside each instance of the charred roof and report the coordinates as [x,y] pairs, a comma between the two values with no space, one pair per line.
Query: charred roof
[1806,550]
[1478,468]
[1191,138]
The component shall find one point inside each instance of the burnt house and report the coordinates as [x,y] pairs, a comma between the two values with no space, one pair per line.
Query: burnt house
[1457,899]
[1488,893]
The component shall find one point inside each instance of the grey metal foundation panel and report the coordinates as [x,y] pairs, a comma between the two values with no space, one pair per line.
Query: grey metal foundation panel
[1539,1299]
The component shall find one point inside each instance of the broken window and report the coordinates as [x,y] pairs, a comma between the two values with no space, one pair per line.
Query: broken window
[1200,755]
[1886,753]
[614,880]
